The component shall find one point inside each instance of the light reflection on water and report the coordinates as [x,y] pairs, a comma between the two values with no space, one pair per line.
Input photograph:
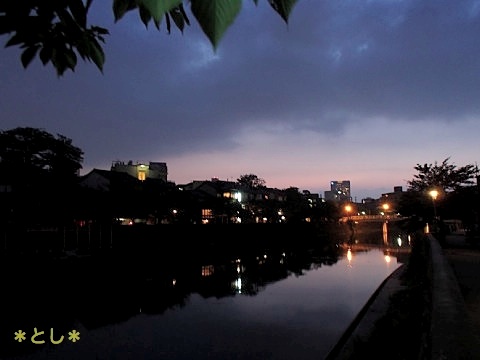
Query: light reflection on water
[288,315]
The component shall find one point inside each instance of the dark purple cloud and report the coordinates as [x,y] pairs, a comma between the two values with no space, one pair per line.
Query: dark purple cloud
[335,64]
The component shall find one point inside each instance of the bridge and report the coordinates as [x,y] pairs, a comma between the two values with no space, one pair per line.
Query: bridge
[372,218]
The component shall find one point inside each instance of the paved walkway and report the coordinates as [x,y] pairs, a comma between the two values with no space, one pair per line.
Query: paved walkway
[464,259]
[453,334]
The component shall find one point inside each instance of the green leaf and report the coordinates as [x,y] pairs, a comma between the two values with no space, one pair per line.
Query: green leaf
[184,14]
[70,58]
[79,12]
[144,15]
[215,16]
[157,8]
[15,40]
[178,19]
[58,61]
[46,54]
[96,54]
[121,7]
[100,30]
[283,7]
[83,48]
[167,20]
[28,55]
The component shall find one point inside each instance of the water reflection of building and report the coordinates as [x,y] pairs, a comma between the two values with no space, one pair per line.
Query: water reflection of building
[111,290]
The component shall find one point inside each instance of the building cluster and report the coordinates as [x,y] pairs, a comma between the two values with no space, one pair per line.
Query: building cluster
[340,192]
[215,200]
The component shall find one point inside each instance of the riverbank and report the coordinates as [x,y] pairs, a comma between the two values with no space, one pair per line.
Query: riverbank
[428,309]
[394,321]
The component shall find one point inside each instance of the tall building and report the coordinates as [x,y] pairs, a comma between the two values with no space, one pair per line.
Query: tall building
[154,170]
[392,198]
[339,191]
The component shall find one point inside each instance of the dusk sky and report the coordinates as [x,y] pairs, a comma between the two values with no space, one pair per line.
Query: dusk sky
[348,90]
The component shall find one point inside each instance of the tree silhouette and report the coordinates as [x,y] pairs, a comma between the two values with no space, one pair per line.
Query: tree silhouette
[251,181]
[445,176]
[40,171]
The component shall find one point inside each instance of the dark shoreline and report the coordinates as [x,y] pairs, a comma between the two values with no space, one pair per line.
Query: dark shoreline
[96,238]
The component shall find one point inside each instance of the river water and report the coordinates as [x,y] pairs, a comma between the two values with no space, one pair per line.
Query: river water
[269,305]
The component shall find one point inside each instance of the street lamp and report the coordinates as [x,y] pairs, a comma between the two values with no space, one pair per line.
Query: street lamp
[348,209]
[384,225]
[434,194]
[385,208]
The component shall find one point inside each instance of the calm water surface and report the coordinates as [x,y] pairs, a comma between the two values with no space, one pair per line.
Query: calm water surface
[271,306]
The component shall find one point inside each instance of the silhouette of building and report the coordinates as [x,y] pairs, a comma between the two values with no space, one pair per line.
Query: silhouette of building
[392,198]
[339,191]
[104,180]
[154,170]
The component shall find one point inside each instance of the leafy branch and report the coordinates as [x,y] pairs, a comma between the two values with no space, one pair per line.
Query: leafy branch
[58,31]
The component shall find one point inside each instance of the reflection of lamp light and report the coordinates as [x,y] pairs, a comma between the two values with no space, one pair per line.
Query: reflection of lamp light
[399,240]
[349,257]
[385,232]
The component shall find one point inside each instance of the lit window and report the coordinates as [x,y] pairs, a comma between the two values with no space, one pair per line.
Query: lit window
[238,196]
[141,175]
[207,213]
[207,270]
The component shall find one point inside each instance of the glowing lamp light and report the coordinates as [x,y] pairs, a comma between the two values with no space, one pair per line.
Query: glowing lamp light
[349,255]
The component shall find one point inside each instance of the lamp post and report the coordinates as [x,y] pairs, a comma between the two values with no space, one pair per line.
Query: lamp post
[384,225]
[348,209]
[434,194]
[385,208]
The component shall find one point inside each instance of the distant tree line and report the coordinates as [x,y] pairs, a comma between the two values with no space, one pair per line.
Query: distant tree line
[40,186]
[444,190]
